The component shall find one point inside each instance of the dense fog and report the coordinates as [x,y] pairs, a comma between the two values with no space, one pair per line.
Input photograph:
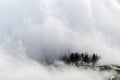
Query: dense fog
[35,31]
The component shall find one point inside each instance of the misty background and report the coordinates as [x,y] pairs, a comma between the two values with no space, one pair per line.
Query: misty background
[33,31]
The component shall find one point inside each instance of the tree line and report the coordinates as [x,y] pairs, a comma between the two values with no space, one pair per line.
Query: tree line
[80,58]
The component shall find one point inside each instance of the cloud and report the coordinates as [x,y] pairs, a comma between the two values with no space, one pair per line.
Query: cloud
[46,29]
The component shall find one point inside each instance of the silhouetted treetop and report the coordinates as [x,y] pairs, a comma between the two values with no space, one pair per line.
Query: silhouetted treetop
[80,58]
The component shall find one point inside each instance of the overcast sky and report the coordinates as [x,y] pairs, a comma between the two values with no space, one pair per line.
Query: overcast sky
[33,30]
[51,28]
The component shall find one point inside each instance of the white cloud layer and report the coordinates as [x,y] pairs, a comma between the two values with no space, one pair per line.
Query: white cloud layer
[35,30]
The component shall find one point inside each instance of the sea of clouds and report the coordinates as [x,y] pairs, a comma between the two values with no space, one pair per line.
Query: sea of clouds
[33,32]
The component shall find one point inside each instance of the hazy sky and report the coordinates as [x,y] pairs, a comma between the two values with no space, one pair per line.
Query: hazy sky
[45,27]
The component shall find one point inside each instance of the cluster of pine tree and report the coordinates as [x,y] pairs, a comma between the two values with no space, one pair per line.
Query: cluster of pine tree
[80,59]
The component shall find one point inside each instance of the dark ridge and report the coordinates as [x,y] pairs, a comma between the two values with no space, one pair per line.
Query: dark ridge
[80,59]
[105,67]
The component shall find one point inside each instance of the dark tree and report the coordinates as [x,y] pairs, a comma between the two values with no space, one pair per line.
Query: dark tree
[82,55]
[80,59]
[86,58]
[72,57]
[95,58]
[77,57]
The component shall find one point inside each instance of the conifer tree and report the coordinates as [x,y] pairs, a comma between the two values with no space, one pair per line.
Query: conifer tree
[72,57]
